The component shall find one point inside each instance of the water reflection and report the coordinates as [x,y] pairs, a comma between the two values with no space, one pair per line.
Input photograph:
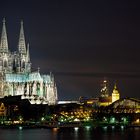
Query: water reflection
[122,127]
[76,134]
[105,128]
[87,128]
[86,133]
[76,129]
[20,137]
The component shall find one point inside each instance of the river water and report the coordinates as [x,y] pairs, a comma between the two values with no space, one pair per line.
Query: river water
[70,134]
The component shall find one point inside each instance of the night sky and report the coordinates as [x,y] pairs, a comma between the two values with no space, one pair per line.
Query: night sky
[80,41]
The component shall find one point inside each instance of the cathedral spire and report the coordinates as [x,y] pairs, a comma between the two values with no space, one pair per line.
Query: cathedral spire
[21,43]
[28,53]
[4,41]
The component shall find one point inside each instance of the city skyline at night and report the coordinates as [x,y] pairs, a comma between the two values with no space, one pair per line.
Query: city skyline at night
[81,42]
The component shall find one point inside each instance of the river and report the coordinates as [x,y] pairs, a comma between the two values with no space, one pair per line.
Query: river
[70,134]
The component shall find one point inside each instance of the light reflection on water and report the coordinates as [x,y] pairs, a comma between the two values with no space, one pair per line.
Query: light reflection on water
[86,133]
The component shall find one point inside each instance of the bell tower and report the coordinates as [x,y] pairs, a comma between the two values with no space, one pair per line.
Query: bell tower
[4,41]
[115,94]
[4,52]
[21,43]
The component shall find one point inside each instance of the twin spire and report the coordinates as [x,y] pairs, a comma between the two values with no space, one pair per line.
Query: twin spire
[21,43]
[4,42]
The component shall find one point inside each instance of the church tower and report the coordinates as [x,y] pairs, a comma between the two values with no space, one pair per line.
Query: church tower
[104,89]
[4,41]
[115,94]
[23,62]
[4,52]
[21,43]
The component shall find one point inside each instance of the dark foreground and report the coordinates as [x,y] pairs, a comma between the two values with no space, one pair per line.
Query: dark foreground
[86,133]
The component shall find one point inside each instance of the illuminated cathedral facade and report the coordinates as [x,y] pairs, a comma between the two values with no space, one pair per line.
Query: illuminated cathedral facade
[17,77]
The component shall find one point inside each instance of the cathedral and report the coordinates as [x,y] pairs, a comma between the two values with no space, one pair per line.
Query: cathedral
[17,77]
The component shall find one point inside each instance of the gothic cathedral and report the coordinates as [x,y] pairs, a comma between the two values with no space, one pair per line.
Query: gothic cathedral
[17,77]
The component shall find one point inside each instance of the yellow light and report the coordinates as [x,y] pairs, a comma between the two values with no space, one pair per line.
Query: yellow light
[89,102]
[55,129]
[16,122]
[138,121]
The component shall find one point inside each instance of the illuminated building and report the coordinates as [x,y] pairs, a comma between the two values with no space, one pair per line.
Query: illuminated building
[17,77]
[105,99]
[2,110]
[125,105]
[89,101]
[104,89]
[115,94]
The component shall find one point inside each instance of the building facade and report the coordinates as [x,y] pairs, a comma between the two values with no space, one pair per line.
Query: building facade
[115,94]
[105,98]
[17,77]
